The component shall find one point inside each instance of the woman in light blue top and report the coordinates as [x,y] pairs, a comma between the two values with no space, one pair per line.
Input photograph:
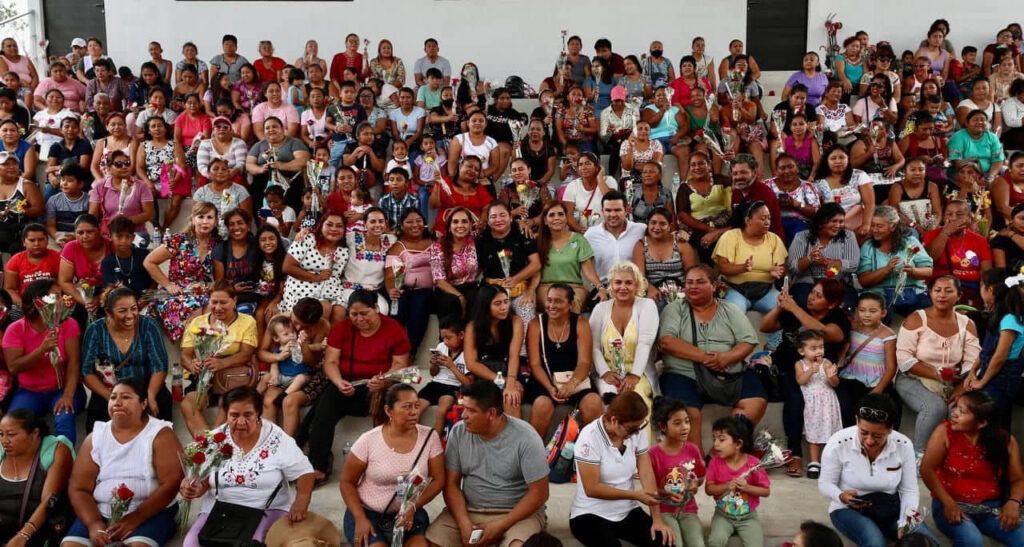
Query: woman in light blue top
[890,250]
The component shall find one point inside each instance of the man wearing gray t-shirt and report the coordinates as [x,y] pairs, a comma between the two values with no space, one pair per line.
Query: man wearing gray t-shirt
[497,480]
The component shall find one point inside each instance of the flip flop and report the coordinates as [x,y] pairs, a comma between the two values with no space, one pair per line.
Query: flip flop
[795,468]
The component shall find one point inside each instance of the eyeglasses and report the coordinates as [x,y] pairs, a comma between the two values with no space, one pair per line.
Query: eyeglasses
[873,414]
[635,430]
[121,164]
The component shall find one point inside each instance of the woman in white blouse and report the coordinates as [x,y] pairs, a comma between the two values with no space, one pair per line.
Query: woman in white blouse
[869,475]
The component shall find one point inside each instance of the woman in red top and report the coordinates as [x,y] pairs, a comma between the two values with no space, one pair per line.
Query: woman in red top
[80,264]
[35,262]
[350,58]
[959,251]
[972,468]
[465,191]
[1008,190]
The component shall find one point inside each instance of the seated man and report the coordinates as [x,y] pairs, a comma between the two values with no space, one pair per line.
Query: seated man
[497,479]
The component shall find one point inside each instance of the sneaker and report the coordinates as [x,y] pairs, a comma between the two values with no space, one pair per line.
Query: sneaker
[814,470]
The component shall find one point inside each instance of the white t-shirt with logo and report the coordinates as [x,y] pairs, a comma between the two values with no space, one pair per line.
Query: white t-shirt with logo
[616,470]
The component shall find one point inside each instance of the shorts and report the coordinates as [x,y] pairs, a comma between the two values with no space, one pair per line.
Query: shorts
[534,390]
[284,381]
[156,531]
[420,521]
[684,388]
[445,531]
[433,391]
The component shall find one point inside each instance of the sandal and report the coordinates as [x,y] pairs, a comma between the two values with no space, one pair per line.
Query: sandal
[795,467]
[813,470]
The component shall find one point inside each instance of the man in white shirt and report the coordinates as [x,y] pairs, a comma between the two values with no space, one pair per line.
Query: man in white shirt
[432,60]
[613,240]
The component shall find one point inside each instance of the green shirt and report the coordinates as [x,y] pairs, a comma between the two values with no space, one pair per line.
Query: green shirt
[727,329]
[430,99]
[986,150]
[47,448]
[565,265]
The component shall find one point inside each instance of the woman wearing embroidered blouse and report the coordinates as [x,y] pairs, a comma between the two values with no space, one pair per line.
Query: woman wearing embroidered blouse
[934,347]
[365,267]
[839,182]
[890,251]
[454,266]
[825,250]
[565,257]
[124,345]
[970,460]
[263,463]
[798,199]
[751,258]
[377,459]
[624,330]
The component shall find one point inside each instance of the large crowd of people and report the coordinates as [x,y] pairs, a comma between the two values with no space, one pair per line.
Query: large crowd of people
[854,250]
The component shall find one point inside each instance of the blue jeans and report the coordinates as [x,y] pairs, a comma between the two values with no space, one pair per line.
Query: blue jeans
[337,149]
[420,521]
[423,195]
[766,304]
[41,402]
[864,532]
[971,529]
[907,303]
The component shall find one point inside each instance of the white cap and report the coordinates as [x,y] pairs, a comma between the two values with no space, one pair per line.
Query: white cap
[78,42]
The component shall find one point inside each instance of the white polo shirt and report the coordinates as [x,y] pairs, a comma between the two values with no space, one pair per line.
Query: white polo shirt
[608,249]
[617,469]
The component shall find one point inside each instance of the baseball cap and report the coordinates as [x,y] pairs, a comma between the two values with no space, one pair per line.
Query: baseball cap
[78,42]
[5,156]
[618,93]
[219,119]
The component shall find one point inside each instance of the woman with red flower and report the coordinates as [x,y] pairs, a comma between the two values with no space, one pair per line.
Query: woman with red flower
[127,468]
[894,252]
[260,463]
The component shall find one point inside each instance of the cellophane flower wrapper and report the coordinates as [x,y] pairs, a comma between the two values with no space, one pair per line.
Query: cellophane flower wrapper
[407,375]
[618,357]
[54,310]
[505,259]
[410,488]
[208,341]
[120,500]
[913,519]
[198,459]
[774,456]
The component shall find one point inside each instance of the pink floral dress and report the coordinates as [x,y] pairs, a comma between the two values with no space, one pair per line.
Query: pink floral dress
[194,275]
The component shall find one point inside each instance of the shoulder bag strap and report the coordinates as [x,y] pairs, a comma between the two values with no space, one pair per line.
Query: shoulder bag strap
[693,326]
[543,350]
[22,513]
[849,356]
[415,462]
[273,494]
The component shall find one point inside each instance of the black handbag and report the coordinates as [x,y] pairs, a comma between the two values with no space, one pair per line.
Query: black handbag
[231,524]
[753,290]
[884,510]
[722,388]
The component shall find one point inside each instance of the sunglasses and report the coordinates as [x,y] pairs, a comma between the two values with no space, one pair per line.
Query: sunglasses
[873,414]
[121,164]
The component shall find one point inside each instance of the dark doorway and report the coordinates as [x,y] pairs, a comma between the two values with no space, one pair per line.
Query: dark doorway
[69,19]
[777,32]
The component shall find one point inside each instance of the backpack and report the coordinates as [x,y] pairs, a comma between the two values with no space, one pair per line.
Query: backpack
[561,449]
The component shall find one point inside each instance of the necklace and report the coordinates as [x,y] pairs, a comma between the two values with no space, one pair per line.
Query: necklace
[561,338]
[17,476]
[120,266]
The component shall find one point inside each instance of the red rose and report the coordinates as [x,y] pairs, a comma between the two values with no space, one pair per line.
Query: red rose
[219,437]
[123,493]
[227,450]
[417,480]
[199,458]
[200,439]
[948,374]
[264,454]
[239,479]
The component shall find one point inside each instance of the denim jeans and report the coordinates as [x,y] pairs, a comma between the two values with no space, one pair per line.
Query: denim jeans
[971,529]
[864,532]
[766,304]
[907,303]
[41,402]
[931,408]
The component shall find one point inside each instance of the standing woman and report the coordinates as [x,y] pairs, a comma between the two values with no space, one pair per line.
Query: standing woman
[839,182]
[454,265]
[117,139]
[155,163]
[624,331]
[190,273]
[565,257]
[387,67]
[662,257]
[410,256]
[80,264]
[494,339]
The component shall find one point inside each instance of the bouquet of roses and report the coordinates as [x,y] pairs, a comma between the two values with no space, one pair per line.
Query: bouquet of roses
[407,375]
[208,341]
[88,292]
[198,459]
[949,376]
[54,310]
[410,488]
[120,500]
[528,193]
[708,138]
[618,357]
[901,278]
[670,290]
[913,519]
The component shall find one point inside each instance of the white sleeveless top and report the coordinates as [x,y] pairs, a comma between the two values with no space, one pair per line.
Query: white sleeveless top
[130,463]
[482,151]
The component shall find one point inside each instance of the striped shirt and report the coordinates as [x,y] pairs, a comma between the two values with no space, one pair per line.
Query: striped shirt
[845,250]
[868,366]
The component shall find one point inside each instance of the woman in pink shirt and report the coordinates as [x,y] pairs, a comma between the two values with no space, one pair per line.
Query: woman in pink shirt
[275,107]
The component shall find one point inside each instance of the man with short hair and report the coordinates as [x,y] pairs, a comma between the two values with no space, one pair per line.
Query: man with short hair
[747,188]
[497,479]
[603,49]
[613,240]
[432,60]
[77,52]
[229,61]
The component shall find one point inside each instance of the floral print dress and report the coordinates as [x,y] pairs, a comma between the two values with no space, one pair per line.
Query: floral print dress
[194,274]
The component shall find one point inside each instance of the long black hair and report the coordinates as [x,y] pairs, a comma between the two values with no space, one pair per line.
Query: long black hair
[481,317]
[991,438]
[276,258]
[821,217]
[824,170]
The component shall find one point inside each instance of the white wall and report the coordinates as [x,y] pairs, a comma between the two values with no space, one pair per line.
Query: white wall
[905,23]
[502,36]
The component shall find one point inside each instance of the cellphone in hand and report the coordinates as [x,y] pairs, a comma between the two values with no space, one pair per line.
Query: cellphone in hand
[266,212]
[476,536]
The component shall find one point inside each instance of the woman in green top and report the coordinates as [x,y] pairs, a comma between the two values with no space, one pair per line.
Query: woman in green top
[27,450]
[565,257]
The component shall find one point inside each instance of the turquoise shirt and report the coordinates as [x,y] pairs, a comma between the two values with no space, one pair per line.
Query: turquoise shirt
[872,258]
[986,150]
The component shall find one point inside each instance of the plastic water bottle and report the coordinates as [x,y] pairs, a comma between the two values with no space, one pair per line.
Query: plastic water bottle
[563,465]
[296,353]
[499,380]
[177,392]
[157,239]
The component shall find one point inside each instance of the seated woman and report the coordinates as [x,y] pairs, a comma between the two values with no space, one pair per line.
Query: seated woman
[47,459]
[454,265]
[138,451]
[565,257]
[1006,192]
[639,149]
[705,341]
[376,461]
[575,122]
[606,506]
[668,126]
[959,251]
[826,250]
[466,192]
[124,345]
[923,143]
[45,386]
[837,181]
[649,195]
[367,252]
[751,258]
[624,330]
[509,259]
[262,482]
[527,219]
[190,273]
[916,199]
[742,129]
[822,312]
[582,196]
[223,193]
[409,255]
[866,506]
[241,341]
[703,205]
[798,143]
[934,347]
[35,262]
[223,145]
[20,202]
[835,115]
[277,157]
[235,259]
[976,142]
[876,153]
[798,198]
[559,350]
[122,192]
[494,340]
[1008,245]
[474,142]
[662,257]
[891,252]
[970,460]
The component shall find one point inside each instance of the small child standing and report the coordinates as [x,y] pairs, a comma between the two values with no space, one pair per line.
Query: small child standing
[736,494]
[448,368]
[296,93]
[287,375]
[428,165]
[870,358]
[679,469]
[818,378]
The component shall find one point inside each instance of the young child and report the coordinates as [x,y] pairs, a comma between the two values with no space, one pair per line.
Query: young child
[567,169]
[306,217]
[429,96]
[398,200]
[63,208]
[815,534]
[359,201]
[287,375]
[736,496]
[342,119]
[427,165]
[869,362]
[818,378]
[325,184]
[296,92]
[963,71]
[448,368]
[24,94]
[275,212]
[679,468]
[399,158]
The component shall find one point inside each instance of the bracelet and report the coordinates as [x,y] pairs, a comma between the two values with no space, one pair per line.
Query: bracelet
[24,535]
[34,528]
[1019,502]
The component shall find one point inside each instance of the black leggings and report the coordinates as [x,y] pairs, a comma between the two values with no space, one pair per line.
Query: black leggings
[595,531]
[329,409]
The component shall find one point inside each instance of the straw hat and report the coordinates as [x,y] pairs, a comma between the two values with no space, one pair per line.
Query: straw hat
[315,531]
